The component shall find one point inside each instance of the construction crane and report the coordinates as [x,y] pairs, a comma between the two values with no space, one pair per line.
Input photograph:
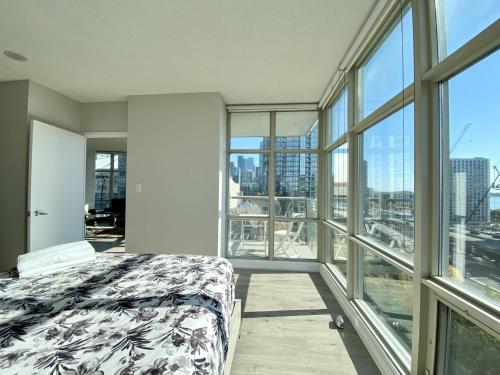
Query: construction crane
[462,133]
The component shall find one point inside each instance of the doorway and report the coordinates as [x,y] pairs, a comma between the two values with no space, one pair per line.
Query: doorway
[105,192]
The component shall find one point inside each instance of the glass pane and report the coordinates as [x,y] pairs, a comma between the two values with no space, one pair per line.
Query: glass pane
[250,131]
[102,161]
[248,238]
[248,189]
[297,130]
[120,162]
[102,187]
[466,349]
[387,183]
[119,184]
[296,185]
[460,20]
[337,125]
[338,186]
[389,70]
[295,239]
[389,292]
[338,250]
[471,233]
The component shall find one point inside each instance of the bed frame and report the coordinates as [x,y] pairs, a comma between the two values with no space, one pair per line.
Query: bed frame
[234,335]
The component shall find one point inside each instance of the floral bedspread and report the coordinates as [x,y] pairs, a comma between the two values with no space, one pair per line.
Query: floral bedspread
[123,314]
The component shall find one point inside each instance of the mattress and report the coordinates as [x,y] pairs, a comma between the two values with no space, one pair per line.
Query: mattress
[123,314]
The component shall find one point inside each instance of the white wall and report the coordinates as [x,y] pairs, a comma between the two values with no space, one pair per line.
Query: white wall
[13,170]
[49,106]
[104,117]
[90,179]
[222,180]
[21,101]
[174,150]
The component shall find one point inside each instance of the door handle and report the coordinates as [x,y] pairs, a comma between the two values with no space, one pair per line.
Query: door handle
[40,212]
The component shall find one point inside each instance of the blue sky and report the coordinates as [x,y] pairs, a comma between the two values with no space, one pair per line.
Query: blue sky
[474,94]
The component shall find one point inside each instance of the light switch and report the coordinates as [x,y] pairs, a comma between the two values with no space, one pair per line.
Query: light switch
[138,188]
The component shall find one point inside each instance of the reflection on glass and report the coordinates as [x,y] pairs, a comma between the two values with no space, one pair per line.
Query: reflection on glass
[295,239]
[120,161]
[248,238]
[389,69]
[102,187]
[388,291]
[465,348]
[471,162]
[296,185]
[387,191]
[250,131]
[248,189]
[102,161]
[296,130]
[338,250]
[338,184]
[119,184]
[337,125]
[459,21]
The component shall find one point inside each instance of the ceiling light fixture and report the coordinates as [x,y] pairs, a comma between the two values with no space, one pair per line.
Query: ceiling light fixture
[15,56]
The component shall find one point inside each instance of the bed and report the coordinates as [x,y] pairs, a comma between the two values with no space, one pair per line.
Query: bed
[122,314]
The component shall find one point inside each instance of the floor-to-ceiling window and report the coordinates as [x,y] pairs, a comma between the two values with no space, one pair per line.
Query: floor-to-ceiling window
[383,223]
[412,199]
[273,187]
[110,178]
[467,263]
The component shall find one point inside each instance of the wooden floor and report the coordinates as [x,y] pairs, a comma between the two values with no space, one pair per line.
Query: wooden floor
[287,328]
[110,244]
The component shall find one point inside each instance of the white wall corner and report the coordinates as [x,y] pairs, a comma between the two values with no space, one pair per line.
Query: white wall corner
[221,241]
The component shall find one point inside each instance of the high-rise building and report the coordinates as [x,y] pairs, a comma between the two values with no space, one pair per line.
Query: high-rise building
[241,162]
[469,182]
[296,174]
[248,164]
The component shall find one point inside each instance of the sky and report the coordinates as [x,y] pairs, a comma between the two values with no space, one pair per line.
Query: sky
[474,94]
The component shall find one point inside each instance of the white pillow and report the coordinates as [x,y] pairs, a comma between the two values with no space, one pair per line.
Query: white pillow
[54,259]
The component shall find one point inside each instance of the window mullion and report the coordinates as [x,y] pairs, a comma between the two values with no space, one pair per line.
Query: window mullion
[271,185]
[352,194]
[424,185]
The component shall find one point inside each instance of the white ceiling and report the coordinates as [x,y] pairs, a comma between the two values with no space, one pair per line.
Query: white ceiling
[252,51]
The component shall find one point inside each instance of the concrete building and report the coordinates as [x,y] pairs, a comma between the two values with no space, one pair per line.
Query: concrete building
[469,182]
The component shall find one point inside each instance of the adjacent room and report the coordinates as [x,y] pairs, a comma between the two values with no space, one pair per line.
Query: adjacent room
[250,187]
[105,192]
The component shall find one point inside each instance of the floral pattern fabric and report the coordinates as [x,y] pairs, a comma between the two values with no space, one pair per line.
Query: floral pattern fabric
[123,314]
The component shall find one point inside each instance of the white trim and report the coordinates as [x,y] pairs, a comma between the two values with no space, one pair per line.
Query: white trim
[277,265]
[458,302]
[487,41]
[380,357]
[105,134]
[271,107]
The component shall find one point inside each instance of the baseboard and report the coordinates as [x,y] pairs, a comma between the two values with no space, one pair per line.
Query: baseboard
[379,355]
[275,265]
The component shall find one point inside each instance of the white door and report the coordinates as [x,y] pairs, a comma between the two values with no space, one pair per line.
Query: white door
[56,186]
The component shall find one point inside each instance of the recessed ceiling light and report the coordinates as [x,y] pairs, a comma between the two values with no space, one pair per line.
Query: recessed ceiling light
[15,56]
